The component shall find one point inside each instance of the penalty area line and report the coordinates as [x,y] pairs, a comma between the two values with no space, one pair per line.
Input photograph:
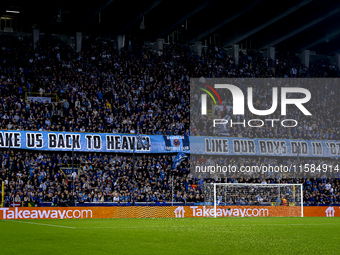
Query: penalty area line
[42,224]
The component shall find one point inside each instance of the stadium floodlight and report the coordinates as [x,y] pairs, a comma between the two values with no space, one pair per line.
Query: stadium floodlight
[285,200]
[12,11]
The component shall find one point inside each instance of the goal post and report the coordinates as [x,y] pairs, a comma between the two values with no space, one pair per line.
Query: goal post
[2,194]
[255,200]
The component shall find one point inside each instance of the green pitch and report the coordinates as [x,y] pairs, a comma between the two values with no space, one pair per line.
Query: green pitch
[172,236]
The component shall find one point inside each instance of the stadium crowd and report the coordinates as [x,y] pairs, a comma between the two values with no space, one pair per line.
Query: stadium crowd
[35,177]
[100,91]
[137,89]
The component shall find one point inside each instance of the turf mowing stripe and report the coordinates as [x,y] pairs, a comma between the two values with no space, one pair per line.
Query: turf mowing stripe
[28,222]
[185,226]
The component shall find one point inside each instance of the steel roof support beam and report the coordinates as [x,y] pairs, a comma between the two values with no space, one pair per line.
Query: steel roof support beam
[139,16]
[181,20]
[224,22]
[239,38]
[332,10]
[329,37]
[106,4]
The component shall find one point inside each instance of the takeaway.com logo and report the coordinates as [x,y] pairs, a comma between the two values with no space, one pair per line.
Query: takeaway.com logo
[229,212]
[17,213]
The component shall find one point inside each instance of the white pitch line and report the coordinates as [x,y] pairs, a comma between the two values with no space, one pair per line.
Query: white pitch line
[182,226]
[42,224]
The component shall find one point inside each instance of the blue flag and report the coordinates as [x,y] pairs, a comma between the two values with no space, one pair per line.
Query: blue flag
[178,159]
[139,140]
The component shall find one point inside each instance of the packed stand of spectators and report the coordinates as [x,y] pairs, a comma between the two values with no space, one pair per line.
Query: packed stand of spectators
[31,178]
[100,91]
[36,177]
[323,124]
[103,90]
[319,186]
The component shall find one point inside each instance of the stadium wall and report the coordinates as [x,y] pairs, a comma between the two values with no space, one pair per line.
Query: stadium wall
[165,212]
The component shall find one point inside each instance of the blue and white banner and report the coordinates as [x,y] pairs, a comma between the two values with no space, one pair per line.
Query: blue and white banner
[69,171]
[264,147]
[91,142]
[178,159]
[176,143]
[123,143]
[40,99]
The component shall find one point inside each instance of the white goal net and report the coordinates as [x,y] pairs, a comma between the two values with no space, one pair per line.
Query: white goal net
[254,200]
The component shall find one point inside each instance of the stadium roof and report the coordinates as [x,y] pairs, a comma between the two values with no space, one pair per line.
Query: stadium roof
[291,24]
